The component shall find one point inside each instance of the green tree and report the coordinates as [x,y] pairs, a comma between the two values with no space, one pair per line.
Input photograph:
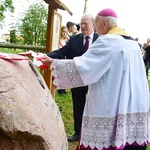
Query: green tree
[34,25]
[5,5]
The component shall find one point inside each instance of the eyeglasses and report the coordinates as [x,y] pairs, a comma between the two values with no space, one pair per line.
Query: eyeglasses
[84,23]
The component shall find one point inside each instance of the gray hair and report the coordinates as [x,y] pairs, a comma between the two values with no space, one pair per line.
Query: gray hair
[89,16]
[111,20]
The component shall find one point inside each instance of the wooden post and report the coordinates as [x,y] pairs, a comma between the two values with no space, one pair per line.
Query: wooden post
[50,22]
[50,37]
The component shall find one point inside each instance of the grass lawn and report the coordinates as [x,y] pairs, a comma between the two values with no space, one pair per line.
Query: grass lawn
[64,102]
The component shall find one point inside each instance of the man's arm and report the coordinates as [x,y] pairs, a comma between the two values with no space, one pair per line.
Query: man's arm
[62,52]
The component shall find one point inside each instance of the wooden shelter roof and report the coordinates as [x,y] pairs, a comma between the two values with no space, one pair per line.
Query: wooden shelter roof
[58,4]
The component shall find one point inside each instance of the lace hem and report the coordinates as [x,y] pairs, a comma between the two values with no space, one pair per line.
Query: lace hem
[133,146]
[65,74]
[105,132]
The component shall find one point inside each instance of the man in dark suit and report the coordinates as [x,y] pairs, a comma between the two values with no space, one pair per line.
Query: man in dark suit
[75,47]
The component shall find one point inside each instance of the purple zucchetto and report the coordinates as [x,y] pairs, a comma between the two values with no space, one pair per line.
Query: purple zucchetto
[107,12]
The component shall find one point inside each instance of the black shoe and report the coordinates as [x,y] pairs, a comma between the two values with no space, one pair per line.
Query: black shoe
[73,138]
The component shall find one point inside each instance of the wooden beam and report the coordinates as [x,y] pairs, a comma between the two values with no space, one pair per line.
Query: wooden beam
[26,47]
[59,5]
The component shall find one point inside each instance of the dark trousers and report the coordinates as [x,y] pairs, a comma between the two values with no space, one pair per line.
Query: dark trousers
[147,72]
[79,98]
[147,66]
[61,91]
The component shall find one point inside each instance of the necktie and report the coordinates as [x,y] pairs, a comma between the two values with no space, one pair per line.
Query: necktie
[86,45]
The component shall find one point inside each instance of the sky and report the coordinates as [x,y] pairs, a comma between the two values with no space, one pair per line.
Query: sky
[132,14]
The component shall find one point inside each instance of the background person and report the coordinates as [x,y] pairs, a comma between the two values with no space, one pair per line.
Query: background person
[71,27]
[63,36]
[116,114]
[137,39]
[147,56]
[73,48]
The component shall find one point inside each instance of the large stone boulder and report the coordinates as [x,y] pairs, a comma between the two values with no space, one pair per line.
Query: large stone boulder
[29,117]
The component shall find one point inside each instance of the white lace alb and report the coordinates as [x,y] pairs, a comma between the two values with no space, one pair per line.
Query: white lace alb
[61,74]
[105,132]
